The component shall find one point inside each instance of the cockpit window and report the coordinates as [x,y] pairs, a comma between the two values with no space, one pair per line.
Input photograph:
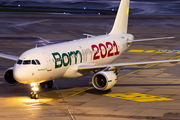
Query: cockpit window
[37,61]
[26,62]
[19,62]
[33,62]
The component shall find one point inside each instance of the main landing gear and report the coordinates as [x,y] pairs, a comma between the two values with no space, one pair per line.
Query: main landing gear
[34,94]
[48,83]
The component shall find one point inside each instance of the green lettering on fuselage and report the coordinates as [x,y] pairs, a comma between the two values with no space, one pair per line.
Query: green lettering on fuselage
[58,59]
[67,58]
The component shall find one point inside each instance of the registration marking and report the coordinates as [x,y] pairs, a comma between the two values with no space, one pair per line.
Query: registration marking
[138,97]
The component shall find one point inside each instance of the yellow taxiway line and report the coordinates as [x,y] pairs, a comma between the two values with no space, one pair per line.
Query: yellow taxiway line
[153,51]
[138,97]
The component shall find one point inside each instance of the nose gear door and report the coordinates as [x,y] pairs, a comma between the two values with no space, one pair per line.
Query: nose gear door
[49,63]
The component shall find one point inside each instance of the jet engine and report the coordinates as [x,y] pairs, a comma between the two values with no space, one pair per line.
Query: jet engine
[8,77]
[104,80]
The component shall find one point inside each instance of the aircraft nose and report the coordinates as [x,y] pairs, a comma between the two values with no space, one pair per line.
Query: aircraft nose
[20,74]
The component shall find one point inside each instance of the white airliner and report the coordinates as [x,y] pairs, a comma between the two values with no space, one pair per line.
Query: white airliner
[41,65]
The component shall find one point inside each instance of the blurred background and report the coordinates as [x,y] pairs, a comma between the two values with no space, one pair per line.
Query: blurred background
[148,7]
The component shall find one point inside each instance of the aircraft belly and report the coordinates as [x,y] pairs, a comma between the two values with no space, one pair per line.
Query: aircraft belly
[58,73]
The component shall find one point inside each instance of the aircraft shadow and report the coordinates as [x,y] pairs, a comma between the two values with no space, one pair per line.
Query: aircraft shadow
[98,92]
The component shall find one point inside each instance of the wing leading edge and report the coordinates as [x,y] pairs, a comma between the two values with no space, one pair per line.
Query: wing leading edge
[10,57]
[93,67]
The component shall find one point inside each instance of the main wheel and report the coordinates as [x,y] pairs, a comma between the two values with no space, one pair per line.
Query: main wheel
[49,84]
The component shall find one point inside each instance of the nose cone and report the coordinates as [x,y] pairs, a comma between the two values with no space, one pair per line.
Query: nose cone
[20,74]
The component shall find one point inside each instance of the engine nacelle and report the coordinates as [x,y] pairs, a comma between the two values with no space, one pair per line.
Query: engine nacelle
[104,80]
[8,77]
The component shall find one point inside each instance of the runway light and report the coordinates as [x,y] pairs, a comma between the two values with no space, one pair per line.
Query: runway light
[99,13]
[84,8]
[19,5]
[64,13]
[112,9]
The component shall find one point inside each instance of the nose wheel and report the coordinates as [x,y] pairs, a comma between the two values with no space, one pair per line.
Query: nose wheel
[34,94]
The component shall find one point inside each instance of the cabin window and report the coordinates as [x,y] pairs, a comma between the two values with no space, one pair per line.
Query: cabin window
[19,62]
[27,62]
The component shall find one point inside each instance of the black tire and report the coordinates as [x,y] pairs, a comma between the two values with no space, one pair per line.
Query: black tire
[32,95]
[49,84]
[43,84]
[36,96]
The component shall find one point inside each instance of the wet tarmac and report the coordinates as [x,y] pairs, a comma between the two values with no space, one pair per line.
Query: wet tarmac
[141,93]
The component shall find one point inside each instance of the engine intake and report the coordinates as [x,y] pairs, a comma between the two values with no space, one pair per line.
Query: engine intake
[8,77]
[104,80]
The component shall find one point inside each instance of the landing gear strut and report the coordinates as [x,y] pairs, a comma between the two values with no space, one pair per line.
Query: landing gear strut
[34,94]
[48,83]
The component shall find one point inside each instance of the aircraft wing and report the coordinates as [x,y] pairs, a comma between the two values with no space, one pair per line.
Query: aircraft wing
[140,40]
[94,67]
[10,57]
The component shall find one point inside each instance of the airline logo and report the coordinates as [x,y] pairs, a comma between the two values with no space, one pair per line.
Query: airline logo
[100,51]
[66,58]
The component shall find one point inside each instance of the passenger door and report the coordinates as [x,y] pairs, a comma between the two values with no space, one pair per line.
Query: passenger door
[49,63]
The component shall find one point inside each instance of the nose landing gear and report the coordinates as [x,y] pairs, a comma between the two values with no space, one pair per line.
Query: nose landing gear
[34,94]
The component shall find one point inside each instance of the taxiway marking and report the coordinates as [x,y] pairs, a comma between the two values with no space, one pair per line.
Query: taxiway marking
[154,51]
[136,51]
[28,23]
[138,97]
[149,51]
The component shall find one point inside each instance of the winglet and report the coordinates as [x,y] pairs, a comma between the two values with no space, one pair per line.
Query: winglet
[121,21]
